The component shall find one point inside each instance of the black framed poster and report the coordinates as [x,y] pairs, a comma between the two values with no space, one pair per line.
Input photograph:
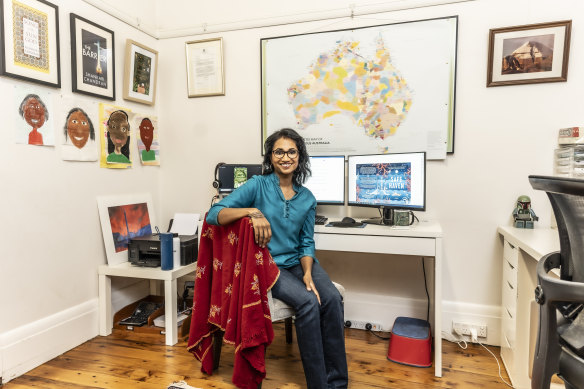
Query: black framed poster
[92,58]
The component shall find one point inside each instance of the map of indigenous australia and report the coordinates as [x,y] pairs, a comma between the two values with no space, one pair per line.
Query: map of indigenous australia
[370,92]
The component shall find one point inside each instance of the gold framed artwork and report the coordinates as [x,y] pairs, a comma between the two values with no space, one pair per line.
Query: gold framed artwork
[140,72]
[529,54]
[205,75]
[30,41]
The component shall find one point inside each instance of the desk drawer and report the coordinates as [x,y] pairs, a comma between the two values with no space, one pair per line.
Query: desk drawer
[509,298]
[510,253]
[510,273]
[508,328]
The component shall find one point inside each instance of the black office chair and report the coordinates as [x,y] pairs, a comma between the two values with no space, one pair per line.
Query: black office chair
[560,341]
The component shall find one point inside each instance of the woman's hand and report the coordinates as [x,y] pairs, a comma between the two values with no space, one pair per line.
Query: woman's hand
[261,228]
[310,285]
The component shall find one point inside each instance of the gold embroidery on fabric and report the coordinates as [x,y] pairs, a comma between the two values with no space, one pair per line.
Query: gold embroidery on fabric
[237,269]
[233,239]
[200,272]
[208,233]
[255,285]
[228,290]
[217,264]
[259,258]
[214,310]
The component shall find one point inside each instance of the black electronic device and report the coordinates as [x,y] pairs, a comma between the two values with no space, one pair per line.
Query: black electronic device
[145,250]
[388,182]
[346,222]
[327,180]
[141,314]
[229,177]
[320,220]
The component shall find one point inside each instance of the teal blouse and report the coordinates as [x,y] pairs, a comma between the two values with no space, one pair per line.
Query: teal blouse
[291,221]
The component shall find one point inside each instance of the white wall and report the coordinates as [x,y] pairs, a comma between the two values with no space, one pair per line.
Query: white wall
[50,232]
[502,135]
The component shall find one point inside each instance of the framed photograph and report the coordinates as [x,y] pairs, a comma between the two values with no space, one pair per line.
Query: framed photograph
[30,41]
[122,218]
[140,73]
[205,68]
[92,59]
[529,54]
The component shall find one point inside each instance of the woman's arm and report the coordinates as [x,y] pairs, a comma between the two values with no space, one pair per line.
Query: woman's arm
[261,226]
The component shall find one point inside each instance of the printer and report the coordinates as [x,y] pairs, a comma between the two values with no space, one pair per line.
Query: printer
[145,250]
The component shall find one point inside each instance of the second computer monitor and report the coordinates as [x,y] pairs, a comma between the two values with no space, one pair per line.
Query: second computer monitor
[327,182]
[396,181]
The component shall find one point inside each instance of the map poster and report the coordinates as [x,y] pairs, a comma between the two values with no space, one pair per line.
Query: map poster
[384,183]
[370,90]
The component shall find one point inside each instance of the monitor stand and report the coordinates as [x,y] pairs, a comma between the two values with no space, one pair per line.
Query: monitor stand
[386,220]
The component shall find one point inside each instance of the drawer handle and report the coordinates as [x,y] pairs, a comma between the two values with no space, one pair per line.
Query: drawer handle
[510,265]
[509,313]
[511,286]
[510,245]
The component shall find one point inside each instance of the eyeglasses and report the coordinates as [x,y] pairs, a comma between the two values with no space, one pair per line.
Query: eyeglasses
[279,153]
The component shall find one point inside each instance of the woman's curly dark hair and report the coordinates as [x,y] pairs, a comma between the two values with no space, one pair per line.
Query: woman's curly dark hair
[303,171]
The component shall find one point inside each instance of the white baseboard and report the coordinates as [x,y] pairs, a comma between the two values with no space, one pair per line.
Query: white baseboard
[384,310]
[26,347]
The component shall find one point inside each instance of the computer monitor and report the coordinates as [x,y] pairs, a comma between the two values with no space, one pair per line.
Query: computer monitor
[388,181]
[232,176]
[327,182]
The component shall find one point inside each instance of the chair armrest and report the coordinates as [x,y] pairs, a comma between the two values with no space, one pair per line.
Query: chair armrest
[555,289]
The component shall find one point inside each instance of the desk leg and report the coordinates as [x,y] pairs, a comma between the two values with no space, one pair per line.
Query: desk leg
[438,309]
[170,312]
[105,305]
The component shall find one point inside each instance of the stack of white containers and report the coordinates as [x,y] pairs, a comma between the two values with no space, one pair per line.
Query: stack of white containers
[569,156]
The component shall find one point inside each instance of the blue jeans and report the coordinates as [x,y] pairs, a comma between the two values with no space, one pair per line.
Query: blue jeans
[319,328]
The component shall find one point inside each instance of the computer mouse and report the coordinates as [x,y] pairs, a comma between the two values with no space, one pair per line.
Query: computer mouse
[347,219]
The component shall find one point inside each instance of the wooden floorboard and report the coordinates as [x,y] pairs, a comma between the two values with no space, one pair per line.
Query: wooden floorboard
[131,360]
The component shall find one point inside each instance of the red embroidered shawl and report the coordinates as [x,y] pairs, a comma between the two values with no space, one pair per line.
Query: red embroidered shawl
[233,277]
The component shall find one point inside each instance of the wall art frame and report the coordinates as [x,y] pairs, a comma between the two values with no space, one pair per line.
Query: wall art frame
[140,73]
[92,58]
[131,210]
[205,68]
[29,41]
[529,54]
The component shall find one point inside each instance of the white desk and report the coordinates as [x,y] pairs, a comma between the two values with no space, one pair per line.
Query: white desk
[422,239]
[127,270]
[523,248]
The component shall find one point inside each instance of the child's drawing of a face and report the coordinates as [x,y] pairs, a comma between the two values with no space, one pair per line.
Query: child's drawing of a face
[34,113]
[78,129]
[119,129]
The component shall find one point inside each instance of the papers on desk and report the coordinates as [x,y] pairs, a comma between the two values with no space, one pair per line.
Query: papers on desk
[185,223]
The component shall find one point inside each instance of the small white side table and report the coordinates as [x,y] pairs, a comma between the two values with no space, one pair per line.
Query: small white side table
[127,270]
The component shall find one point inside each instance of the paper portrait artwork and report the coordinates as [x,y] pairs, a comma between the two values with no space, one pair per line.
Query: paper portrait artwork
[148,143]
[115,135]
[33,111]
[78,120]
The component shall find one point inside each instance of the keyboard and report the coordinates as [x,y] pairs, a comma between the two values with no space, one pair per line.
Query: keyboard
[345,225]
[141,314]
[320,220]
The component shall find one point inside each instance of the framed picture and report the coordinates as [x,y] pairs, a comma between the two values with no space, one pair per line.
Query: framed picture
[205,68]
[140,73]
[529,54]
[92,59]
[30,41]
[122,218]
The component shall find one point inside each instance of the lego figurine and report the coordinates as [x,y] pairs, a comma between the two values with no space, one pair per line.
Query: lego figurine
[523,214]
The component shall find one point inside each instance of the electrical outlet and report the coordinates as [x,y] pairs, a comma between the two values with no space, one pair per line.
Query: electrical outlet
[462,328]
[362,325]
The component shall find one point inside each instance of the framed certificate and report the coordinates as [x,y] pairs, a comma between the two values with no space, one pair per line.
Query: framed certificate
[205,68]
